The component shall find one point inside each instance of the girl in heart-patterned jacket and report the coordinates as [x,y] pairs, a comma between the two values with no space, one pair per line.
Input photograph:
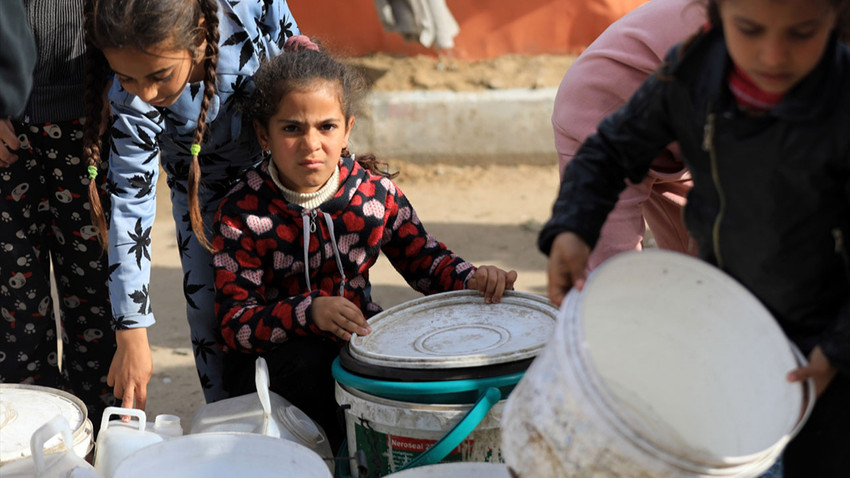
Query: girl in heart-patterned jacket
[295,239]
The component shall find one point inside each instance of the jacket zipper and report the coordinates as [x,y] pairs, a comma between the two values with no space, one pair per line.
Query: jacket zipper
[841,248]
[708,145]
[313,215]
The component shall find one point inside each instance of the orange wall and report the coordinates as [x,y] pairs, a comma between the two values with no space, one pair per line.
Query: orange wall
[488,28]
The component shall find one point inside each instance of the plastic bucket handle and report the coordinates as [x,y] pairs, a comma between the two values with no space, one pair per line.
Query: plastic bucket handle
[58,425]
[439,450]
[128,412]
[261,379]
[414,391]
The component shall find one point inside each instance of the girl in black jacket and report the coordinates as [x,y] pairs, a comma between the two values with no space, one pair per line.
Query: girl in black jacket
[760,104]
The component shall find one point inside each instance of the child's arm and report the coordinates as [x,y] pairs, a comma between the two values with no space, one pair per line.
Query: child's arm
[131,367]
[132,179]
[424,262]
[567,265]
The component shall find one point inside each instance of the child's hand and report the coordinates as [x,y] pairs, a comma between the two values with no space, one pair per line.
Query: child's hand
[491,282]
[567,265]
[299,42]
[8,143]
[819,369]
[339,316]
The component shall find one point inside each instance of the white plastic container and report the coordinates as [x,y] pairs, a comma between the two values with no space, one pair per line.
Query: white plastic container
[61,463]
[118,440]
[25,408]
[662,366]
[264,413]
[228,455]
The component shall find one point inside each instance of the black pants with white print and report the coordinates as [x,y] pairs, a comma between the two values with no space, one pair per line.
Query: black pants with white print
[45,218]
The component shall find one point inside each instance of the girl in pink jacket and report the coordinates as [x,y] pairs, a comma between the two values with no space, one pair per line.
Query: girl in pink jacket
[601,80]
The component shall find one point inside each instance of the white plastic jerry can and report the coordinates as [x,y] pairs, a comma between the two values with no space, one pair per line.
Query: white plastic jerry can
[117,440]
[64,464]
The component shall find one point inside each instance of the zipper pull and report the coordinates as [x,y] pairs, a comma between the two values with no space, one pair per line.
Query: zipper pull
[708,132]
[313,215]
[839,240]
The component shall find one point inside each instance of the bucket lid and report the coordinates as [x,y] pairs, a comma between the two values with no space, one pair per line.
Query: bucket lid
[454,330]
[25,408]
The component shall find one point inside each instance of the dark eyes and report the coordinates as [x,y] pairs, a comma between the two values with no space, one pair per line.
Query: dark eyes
[292,128]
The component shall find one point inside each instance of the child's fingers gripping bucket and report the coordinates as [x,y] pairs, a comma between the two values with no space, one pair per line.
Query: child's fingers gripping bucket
[428,384]
[662,366]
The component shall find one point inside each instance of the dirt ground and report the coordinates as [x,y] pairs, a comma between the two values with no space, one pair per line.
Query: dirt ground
[390,73]
[487,214]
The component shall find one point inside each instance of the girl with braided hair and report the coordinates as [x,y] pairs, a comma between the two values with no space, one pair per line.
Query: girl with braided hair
[180,66]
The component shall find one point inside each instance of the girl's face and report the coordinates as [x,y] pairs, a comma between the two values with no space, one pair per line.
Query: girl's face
[777,42]
[158,77]
[306,136]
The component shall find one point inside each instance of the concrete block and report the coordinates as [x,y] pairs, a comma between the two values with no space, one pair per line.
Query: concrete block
[494,126]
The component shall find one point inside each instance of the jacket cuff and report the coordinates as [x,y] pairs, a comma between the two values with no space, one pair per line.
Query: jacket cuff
[133,321]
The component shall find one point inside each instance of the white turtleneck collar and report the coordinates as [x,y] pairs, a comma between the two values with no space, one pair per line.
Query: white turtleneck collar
[307,200]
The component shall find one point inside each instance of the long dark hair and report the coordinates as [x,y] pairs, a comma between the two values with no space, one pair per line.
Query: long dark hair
[299,70]
[841,6]
[143,24]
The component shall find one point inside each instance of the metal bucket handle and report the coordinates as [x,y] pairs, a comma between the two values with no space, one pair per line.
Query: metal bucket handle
[439,450]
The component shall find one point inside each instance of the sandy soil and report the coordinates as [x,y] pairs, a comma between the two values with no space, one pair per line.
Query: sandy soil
[468,208]
[390,73]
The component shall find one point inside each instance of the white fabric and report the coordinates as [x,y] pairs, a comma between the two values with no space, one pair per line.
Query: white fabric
[307,200]
[427,21]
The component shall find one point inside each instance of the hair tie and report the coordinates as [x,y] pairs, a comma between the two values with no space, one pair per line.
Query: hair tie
[92,171]
[195,149]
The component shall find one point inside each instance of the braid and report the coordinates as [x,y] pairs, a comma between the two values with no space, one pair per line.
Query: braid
[209,9]
[96,74]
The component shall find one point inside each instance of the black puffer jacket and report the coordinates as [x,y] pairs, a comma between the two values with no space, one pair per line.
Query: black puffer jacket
[771,198]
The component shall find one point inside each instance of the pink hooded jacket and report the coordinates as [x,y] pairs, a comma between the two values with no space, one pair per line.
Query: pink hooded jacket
[598,83]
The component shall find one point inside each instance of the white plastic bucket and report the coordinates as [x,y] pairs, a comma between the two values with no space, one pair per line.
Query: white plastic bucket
[393,433]
[662,366]
[25,408]
[224,454]
[62,463]
[456,470]
[427,385]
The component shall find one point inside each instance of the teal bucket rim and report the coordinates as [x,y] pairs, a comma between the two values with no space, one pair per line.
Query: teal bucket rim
[467,390]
